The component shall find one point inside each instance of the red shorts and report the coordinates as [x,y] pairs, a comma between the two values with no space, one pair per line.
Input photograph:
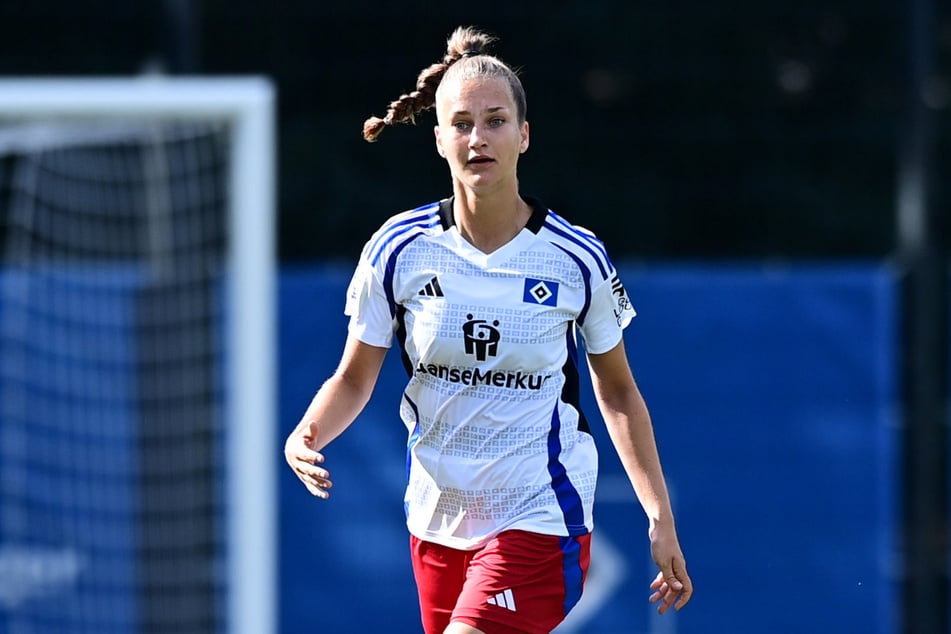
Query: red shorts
[518,583]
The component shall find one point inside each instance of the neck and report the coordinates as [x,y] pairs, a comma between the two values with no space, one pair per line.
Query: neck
[489,221]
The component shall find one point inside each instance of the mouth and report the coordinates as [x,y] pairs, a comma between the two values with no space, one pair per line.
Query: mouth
[480,160]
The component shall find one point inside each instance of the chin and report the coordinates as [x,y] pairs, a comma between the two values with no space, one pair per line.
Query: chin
[480,185]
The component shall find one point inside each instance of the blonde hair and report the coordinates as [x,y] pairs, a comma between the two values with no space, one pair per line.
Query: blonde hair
[466,58]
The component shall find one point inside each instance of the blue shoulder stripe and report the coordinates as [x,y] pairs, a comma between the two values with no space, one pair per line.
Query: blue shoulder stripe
[572,234]
[390,269]
[582,233]
[586,275]
[422,217]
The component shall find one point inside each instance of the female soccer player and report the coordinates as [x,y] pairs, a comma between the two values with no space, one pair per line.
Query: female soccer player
[485,292]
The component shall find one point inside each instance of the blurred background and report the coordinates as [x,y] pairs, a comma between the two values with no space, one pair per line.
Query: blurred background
[773,182]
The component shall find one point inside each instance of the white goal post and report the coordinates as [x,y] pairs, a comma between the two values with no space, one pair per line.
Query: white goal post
[246,105]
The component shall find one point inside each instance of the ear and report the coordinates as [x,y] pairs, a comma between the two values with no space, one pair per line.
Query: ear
[439,149]
[523,146]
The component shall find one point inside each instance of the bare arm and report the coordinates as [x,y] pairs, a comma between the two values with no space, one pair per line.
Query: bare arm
[629,426]
[335,406]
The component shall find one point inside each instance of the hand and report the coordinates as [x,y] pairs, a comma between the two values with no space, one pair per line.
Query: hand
[303,458]
[672,585]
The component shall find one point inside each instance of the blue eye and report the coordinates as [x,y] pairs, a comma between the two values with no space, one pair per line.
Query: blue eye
[497,122]
[461,126]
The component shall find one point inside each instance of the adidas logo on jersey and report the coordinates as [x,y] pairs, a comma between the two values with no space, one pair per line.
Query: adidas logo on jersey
[432,289]
[504,599]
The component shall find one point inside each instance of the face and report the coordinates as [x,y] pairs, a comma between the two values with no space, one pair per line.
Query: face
[478,132]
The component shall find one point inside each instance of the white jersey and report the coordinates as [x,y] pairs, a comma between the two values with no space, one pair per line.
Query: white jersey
[496,437]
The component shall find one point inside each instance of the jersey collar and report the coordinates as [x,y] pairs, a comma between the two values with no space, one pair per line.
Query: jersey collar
[534,224]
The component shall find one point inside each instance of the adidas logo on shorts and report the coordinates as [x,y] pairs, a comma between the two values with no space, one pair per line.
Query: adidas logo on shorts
[504,599]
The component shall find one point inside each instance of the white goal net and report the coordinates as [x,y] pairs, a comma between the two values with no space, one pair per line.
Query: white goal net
[137,456]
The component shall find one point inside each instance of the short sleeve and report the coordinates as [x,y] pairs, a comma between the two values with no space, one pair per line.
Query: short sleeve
[370,318]
[608,315]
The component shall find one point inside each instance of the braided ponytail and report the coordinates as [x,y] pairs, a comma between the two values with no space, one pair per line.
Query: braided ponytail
[465,42]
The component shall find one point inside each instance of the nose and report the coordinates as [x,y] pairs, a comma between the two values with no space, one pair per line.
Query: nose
[475,138]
